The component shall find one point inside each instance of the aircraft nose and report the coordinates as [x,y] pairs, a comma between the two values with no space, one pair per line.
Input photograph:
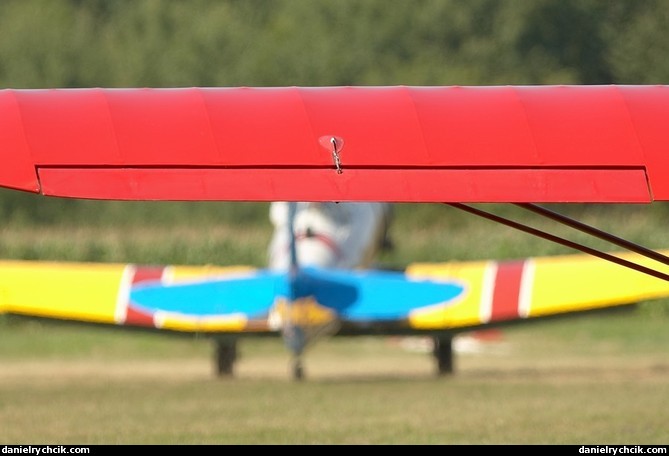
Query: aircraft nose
[311,251]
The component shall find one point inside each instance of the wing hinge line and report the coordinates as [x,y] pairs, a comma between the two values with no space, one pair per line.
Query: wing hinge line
[657,256]
[562,241]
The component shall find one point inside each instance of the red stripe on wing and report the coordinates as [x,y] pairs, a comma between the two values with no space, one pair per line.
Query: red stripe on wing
[134,316]
[506,294]
[144,273]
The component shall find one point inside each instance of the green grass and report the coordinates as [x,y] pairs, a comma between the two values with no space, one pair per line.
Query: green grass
[596,379]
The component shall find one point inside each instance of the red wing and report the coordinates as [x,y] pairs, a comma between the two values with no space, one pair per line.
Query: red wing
[398,144]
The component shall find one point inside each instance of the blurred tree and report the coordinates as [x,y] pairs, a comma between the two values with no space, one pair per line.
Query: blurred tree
[638,38]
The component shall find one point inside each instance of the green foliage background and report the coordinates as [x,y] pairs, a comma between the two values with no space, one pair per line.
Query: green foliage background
[166,43]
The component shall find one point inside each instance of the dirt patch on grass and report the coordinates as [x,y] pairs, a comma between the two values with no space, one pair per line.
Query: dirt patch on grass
[339,369]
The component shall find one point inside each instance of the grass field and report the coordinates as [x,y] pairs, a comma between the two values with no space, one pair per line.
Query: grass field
[590,380]
[596,379]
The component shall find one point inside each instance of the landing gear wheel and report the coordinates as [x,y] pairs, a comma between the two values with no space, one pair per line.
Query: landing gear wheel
[225,355]
[443,354]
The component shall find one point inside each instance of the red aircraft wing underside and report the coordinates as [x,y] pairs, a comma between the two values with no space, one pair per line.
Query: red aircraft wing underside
[525,144]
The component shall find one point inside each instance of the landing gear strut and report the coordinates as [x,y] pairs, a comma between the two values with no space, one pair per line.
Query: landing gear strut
[443,354]
[298,368]
[225,355]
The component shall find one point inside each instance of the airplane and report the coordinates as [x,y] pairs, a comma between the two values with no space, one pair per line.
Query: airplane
[531,146]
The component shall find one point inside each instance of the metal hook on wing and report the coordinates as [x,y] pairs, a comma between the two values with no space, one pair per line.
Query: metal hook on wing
[334,145]
[335,155]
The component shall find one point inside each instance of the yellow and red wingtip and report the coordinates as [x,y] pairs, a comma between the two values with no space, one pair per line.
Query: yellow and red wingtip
[98,292]
[536,287]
